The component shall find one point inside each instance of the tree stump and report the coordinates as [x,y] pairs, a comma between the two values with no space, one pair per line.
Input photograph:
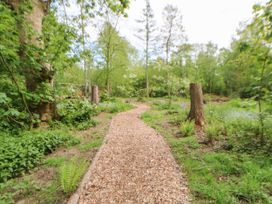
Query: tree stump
[95,94]
[196,111]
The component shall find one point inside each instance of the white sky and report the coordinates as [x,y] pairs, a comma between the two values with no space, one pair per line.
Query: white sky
[204,20]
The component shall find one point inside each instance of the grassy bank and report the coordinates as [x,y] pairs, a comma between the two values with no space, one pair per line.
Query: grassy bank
[230,166]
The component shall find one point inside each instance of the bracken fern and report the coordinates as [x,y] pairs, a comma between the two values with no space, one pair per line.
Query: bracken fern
[70,174]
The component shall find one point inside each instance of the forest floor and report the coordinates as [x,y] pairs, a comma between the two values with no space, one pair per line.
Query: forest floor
[42,185]
[227,166]
[134,165]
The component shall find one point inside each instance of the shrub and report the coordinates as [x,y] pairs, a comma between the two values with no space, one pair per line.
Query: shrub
[243,134]
[241,126]
[87,124]
[104,96]
[77,113]
[70,174]
[187,128]
[20,154]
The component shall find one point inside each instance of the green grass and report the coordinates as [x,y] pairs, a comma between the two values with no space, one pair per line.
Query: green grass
[91,145]
[50,194]
[214,131]
[115,106]
[55,161]
[15,189]
[216,175]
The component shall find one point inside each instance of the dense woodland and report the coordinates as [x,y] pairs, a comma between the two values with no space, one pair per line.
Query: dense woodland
[50,59]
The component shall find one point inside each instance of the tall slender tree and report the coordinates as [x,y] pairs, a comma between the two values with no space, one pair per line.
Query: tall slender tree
[147,35]
[113,52]
[262,25]
[86,13]
[172,34]
[172,31]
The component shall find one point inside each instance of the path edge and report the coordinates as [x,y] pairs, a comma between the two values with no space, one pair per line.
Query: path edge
[74,198]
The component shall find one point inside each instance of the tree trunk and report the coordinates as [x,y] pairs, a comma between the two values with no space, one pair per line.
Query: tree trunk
[147,79]
[35,77]
[147,58]
[196,111]
[95,94]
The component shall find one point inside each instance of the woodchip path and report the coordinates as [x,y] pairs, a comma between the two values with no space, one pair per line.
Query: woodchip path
[134,166]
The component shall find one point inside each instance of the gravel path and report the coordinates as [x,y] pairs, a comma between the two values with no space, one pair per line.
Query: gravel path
[134,166]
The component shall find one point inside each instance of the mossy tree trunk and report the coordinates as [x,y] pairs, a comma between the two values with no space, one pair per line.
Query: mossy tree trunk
[40,73]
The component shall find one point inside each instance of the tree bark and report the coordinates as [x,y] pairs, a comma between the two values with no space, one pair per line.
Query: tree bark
[196,111]
[95,94]
[35,77]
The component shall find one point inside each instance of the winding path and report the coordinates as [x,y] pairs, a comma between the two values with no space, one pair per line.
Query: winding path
[134,166]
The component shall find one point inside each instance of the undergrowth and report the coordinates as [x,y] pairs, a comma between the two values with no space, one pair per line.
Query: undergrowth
[15,189]
[93,144]
[114,106]
[233,168]
[77,113]
[70,174]
[24,152]
[187,128]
